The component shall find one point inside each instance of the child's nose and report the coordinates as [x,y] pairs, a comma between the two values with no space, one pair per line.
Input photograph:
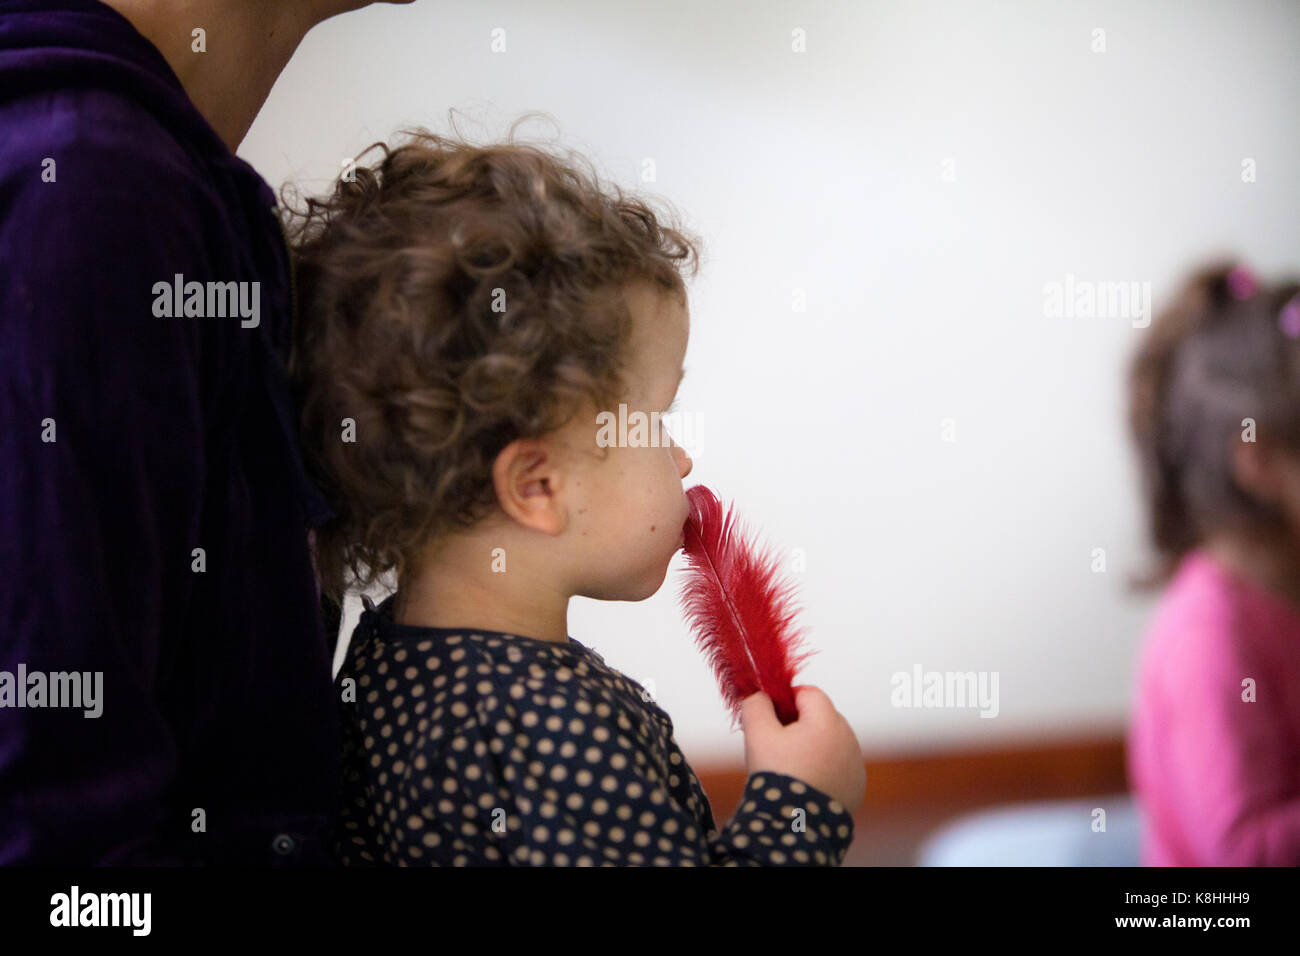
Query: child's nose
[684,463]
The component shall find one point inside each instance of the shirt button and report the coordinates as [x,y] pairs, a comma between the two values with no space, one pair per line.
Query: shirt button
[283,844]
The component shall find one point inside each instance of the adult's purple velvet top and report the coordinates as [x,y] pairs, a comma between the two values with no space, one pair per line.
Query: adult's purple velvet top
[153,505]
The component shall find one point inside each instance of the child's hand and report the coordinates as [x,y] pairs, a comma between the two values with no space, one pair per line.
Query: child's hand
[819,748]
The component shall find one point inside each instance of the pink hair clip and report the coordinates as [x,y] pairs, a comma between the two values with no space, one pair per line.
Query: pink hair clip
[1241,282]
[1289,318]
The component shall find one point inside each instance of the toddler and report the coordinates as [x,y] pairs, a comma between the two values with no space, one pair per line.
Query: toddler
[467,313]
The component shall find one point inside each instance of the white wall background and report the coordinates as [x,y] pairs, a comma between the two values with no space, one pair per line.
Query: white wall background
[821,173]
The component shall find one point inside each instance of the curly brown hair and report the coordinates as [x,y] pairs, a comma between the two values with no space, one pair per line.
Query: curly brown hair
[1213,357]
[454,298]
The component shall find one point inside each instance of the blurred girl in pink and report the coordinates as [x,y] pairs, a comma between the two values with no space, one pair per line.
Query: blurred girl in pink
[1214,744]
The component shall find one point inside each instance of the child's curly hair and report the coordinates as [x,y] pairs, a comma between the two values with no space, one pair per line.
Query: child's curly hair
[1223,350]
[454,298]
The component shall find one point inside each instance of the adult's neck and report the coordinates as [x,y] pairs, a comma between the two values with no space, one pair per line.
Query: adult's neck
[248,43]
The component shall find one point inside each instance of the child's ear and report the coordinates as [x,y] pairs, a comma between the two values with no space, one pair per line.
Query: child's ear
[529,483]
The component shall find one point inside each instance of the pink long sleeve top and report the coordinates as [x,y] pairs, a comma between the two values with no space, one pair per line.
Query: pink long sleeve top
[1217,773]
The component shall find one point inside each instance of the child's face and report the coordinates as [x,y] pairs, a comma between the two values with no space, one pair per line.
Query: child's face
[1277,480]
[1270,472]
[628,507]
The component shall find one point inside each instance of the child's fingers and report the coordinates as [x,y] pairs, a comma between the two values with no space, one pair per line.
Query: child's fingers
[757,713]
[812,703]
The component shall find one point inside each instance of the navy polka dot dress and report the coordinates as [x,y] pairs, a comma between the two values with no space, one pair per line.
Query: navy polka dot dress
[476,748]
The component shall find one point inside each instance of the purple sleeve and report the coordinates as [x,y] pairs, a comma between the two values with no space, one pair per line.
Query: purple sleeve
[101,468]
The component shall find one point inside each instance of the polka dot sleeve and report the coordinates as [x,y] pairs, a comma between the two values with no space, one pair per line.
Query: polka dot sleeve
[783,821]
[572,785]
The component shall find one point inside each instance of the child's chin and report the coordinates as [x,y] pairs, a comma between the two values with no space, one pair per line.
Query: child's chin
[643,587]
[632,587]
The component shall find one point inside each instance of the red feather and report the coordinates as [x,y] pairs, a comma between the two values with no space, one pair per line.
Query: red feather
[743,614]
